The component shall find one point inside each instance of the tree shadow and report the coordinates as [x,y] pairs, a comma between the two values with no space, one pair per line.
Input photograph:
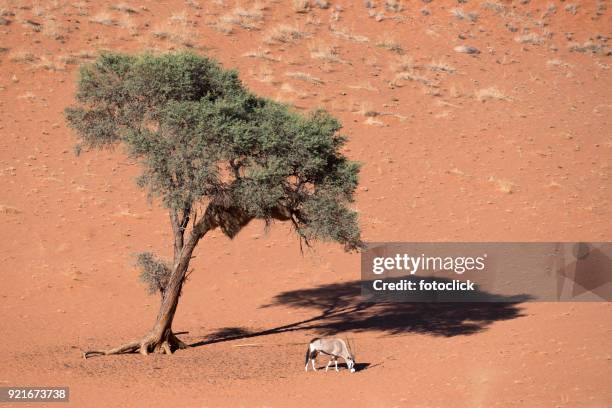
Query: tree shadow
[342,309]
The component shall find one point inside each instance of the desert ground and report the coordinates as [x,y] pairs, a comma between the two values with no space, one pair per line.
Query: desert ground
[509,141]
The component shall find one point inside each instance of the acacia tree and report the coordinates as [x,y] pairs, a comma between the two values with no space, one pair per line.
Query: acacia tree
[205,142]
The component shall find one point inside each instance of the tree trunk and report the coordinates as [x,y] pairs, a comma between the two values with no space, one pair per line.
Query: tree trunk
[161,339]
[161,335]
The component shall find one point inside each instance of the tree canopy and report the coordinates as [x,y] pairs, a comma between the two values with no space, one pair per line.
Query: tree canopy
[202,137]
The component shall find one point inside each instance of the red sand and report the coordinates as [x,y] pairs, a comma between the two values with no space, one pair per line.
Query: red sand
[439,165]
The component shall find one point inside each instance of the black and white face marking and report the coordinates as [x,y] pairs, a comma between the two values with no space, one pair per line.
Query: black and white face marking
[350,364]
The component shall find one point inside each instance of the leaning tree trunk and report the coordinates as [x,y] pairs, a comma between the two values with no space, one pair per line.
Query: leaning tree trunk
[161,338]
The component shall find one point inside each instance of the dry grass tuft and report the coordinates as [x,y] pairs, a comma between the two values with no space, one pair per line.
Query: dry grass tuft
[78,57]
[441,66]
[128,23]
[394,6]
[491,93]
[461,15]
[530,38]
[177,29]
[285,34]
[302,76]
[403,63]
[557,63]
[588,46]
[23,57]
[406,70]
[4,17]
[124,8]
[53,30]
[366,109]
[412,76]
[249,19]
[505,186]
[345,35]
[301,6]
[374,122]
[551,9]
[103,18]
[494,6]
[389,43]
[50,64]
[324,52]
[263,54]
[572,8]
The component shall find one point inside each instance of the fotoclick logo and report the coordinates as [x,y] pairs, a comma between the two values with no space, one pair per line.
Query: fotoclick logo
[487,272]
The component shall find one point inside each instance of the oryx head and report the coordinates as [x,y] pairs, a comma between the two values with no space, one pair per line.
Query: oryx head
[350,360]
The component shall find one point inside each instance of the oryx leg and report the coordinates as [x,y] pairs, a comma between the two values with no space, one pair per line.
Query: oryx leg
[313,364]
[329,363]
[336,362]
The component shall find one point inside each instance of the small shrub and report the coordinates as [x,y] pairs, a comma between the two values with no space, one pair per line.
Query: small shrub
[155,273]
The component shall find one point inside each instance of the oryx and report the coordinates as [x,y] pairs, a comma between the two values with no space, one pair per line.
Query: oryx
[332,347]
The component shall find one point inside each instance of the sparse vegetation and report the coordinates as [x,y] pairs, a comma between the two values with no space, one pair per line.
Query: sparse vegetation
[78,57]
[551,9]
[389,43]
[494,6]
[412,76]
[572,8]
[53,30]
[461,15]
[4,16]
[23,57]
[262,54]
[588,46]
[124,8]
[285,34]
[530,38]
[249,19]
[178,29]
[325,52]
[557,63]
[322,4]
[103,18]
[441,66]
[492,93]
[154,272]
[394,6]
[302,76]
[404,63]
[344,34]
[301,6]
[505,186]
[50,64]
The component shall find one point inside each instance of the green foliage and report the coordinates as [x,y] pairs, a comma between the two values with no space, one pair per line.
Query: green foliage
[155,273]
[200,135]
